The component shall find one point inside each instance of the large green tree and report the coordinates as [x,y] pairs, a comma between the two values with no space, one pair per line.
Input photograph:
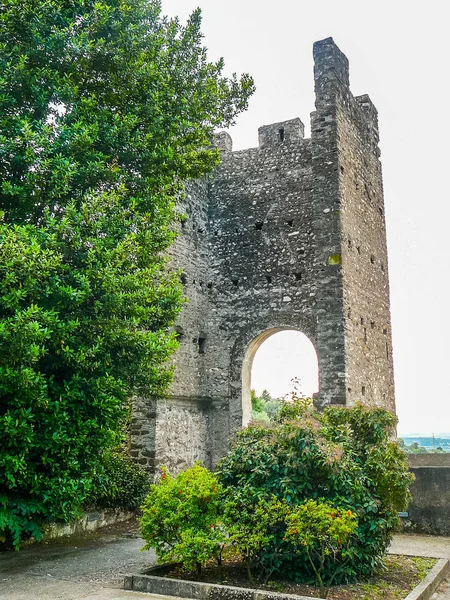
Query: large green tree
[106,108]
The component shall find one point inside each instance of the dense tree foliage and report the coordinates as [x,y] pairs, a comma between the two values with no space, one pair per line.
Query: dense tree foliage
[106,108]
[264,407]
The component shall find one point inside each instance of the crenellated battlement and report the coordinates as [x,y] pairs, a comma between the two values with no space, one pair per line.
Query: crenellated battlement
[332,87]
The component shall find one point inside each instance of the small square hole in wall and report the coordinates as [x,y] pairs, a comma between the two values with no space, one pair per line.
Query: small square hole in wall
[183,278]
[235,282]
[209,285]
[290,222]
[298,276]
[372,324]
[385,331]
[268,278]
[363,390]
[259,225]
[201,345]
[281,134]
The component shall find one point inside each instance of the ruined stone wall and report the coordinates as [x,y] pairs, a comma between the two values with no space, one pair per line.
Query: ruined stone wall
[359,212]
[174,431]
[262,248]
[345,141]
[289,235]
[429,508]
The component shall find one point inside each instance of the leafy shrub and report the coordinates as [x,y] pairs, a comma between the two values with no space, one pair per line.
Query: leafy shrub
[323,532]
[253,528]
[68,360]
[118,482]
[182,518]
[343,458]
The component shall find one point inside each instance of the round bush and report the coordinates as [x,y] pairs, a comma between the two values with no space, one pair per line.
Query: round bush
[343,458]
[182,518]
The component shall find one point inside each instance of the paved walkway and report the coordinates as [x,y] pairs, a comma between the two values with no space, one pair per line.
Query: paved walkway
[90,567]
[425,545]
[93,567]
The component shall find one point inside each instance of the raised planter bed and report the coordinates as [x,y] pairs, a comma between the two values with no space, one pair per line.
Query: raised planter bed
[157,581]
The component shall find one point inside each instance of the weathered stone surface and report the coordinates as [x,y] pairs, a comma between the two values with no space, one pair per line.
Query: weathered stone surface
[289,235]
[90,521]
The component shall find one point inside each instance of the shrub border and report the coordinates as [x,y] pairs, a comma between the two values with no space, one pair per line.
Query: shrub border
[195,590]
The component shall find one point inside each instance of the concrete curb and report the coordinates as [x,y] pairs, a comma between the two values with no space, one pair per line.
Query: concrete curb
[425,589]
[195,590]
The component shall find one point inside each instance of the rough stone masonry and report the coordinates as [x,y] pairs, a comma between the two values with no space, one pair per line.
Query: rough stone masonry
[289,235]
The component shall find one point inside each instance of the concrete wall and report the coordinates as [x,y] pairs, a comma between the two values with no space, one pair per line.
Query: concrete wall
[429,510]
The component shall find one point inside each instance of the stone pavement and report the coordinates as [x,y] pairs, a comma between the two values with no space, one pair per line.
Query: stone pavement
[425,545]
[92,567]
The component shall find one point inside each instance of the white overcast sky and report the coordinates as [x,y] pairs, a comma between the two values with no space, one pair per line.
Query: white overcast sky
[399,53]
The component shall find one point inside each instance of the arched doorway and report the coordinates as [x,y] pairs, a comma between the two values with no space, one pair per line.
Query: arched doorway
[272,360]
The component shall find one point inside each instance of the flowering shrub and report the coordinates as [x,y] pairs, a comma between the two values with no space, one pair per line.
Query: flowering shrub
[313,497]
[344,460]
[181,518]
[322,532]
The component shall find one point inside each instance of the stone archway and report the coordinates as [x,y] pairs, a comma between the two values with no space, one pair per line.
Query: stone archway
[247,365]
[242,355]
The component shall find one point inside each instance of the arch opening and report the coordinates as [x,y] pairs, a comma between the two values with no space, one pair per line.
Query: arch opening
[273,360]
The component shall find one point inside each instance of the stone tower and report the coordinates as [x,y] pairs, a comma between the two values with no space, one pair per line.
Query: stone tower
[289,235]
